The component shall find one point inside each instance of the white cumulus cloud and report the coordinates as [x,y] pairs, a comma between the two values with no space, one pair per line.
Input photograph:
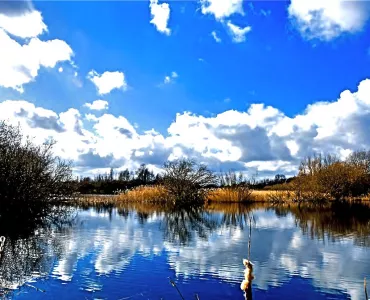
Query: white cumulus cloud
[97,105]
[26,25]
[20,61]
[160,16]
[237,33]
[108,81]
[222,8]
[262,138]
[20,64]
[326,20]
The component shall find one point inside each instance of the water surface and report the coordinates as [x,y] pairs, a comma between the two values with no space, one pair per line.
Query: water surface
[130,252]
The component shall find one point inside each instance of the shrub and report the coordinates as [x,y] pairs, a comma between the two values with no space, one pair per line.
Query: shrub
[326,177]
[185,181]
[31,177]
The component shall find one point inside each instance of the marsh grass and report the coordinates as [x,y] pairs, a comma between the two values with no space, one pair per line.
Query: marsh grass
[85,201]
[155,193]
[229,194]
[272,196]
[236,194]
[158,194]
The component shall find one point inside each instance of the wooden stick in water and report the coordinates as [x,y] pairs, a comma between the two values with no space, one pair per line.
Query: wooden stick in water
[250,238]
[246,284]
[34,287]
[175,286]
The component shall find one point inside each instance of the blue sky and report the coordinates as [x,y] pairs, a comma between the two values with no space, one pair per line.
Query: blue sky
[235,84]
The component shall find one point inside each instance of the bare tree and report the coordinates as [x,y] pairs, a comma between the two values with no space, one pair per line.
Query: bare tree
[144,175]
[31,177]
[185,180]
[360,159]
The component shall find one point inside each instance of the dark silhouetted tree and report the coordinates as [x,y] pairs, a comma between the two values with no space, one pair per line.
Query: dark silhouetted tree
[185,180]
[32,178]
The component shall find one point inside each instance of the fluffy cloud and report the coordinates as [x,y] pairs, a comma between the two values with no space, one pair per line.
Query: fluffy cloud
[222,9]
[20,62]
[26,25]
[97,105]
[170,78]
[160,15]
[326,20]
[215,36]
[108,81]
[237,33]
[261,138]
[42,124]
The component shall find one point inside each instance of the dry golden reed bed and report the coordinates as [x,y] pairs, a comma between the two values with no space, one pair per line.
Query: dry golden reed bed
[226,194]
[155,193]
[158,194]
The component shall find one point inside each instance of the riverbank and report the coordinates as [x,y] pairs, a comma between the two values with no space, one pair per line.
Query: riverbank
[158,194]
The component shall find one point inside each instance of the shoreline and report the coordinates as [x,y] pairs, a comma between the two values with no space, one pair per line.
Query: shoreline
[255,196]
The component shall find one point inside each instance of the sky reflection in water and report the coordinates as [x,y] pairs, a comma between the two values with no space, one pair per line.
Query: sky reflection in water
[131,253]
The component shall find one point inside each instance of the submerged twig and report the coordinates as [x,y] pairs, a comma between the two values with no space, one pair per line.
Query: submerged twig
[250,238]
[366,296]
[34,287]
[175,286]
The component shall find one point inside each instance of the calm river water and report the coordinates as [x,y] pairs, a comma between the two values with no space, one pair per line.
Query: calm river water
[130,253]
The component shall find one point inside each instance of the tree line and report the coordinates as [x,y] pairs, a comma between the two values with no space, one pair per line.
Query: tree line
[115,182]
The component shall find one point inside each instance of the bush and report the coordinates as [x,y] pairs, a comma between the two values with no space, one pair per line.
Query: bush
[31,177]
[326,177]
[185,181]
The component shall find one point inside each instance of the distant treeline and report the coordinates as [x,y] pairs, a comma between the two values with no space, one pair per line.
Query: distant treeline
[115,182]
[319,177]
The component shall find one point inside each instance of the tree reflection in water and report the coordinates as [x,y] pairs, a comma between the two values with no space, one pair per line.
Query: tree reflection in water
[179,225]
[32,252]
[31,247]
[334,220]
